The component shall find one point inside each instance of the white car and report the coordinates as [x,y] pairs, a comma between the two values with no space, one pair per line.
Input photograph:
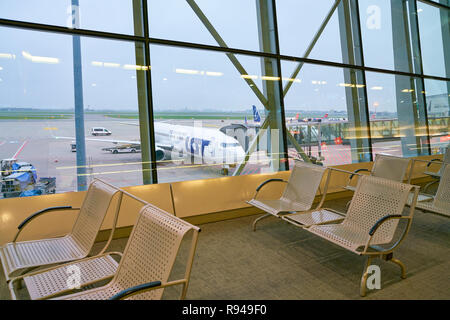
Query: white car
[100,131]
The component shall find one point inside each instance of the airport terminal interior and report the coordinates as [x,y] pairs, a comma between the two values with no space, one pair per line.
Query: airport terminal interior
[225,149]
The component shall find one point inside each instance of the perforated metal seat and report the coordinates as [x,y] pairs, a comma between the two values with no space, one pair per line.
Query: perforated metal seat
[315,217]
[19,256]
[372,221]
[440,202]
[148,259]
[299,194]
[387,167]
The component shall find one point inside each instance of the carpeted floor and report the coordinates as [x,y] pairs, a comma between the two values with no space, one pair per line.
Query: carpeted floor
[281,261]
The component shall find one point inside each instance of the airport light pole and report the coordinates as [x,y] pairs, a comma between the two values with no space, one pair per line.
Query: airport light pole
[79,104]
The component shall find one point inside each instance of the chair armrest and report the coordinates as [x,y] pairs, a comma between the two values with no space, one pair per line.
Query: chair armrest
[268,181]
[433,160]
[382,220]
[356,171]
[38,213]
[133,290]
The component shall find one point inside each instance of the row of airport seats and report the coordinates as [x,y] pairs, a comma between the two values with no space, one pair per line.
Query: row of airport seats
[374,216]
[142,272]
[374,224]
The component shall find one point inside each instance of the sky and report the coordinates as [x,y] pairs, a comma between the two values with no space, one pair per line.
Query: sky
[36,68]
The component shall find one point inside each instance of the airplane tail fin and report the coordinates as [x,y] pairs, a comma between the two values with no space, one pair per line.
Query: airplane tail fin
[256,116]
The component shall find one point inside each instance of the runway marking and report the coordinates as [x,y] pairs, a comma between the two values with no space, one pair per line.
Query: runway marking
[20,150]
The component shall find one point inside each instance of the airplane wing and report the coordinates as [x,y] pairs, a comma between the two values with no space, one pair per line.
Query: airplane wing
[122,143]
[133,142]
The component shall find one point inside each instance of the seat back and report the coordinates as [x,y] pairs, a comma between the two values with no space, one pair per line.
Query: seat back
[442,198]
[390,167]
[151,250]
[373,199]
[92,213]
[445,160]
[303,183]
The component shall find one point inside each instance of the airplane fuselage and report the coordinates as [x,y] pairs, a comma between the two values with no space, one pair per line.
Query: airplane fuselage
[205,144]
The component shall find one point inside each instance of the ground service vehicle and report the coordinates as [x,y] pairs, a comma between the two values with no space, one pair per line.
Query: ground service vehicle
[100,131]
[19,179]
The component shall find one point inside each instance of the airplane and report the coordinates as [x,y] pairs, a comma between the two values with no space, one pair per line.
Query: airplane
[205,144]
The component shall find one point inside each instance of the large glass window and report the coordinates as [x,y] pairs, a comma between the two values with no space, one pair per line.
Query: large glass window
[390,35]
[434,27]
[115,16]
[211,109]
[397,115]
[309,29]
[330,82]
[438,110]
[69,113]
[325,113]
[230,23]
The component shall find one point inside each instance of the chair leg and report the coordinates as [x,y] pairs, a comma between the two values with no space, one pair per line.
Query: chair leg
[258,219]
[363,286]
[401,265]
[183,292]
[429,184]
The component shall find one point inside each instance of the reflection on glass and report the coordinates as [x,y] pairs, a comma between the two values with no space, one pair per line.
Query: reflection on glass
[209,114]
[37,116]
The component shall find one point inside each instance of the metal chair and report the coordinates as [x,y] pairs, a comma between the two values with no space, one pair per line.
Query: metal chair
[17,257]
[437,175]
[440,202]
[371,226]
[319,215]
[142,273]
[299,194]
[385,166]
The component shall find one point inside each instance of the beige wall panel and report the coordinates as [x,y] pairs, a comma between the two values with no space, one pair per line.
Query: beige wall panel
[53,224]
[191,198]
[214,195]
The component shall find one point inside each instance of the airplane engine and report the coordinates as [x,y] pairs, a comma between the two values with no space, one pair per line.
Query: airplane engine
[160,154]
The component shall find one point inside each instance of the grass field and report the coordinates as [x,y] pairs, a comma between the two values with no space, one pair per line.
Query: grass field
[184,116]
[34,117]
[35,114]
[8,114]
